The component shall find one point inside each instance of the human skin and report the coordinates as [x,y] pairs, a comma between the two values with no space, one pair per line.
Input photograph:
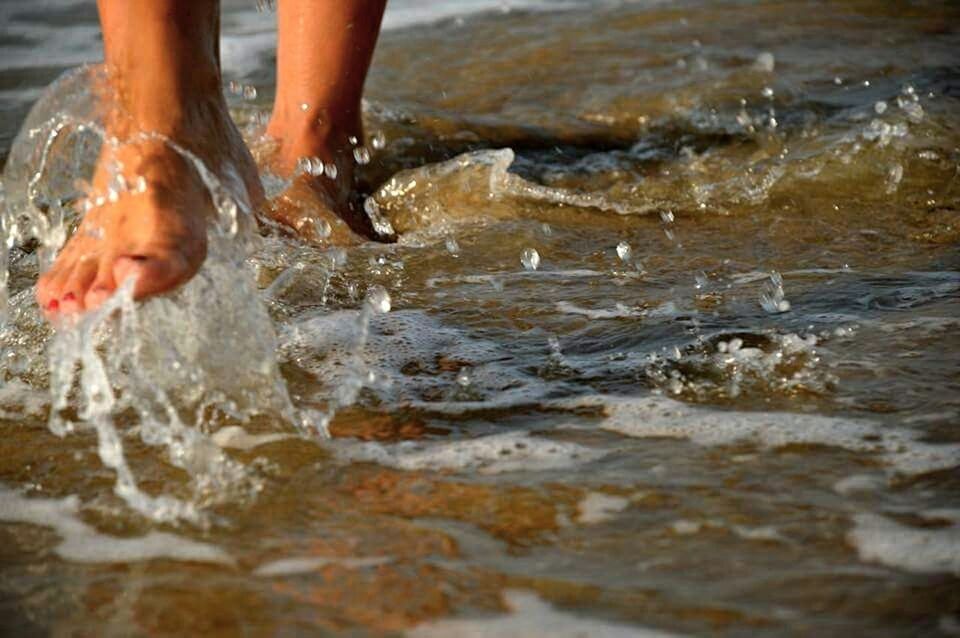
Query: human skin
[164,83]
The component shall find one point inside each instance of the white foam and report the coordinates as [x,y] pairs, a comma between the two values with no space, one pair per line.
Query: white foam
[924,550]
[83,544]
[234,436]
[530,617]
[18,399]
[620,311]
[494,454]
[307,564]
[656,416]
[858,484]
[597,507]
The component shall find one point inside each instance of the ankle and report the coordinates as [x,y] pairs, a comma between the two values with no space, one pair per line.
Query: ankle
[313,132]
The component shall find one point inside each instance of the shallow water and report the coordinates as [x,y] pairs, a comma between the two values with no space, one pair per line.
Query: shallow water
[723,398]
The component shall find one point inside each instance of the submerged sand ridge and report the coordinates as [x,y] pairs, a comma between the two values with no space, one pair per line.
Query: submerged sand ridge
[719,401]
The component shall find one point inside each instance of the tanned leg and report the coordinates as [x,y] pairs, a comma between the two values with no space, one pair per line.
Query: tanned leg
[323,54]
[161,58]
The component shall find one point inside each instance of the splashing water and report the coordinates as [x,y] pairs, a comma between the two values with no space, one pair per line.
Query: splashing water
[176,362]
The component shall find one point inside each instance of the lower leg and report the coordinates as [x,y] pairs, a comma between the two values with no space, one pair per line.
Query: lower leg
[323,55]
[163,77]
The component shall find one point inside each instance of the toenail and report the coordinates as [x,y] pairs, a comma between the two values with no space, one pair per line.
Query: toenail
[69,297]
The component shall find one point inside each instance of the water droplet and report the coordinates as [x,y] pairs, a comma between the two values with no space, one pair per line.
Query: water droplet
[700,280]
[767,92]
[666,216]
[317,167]
[371,207]
[249,92]
[378,299]
[235,87]
[331,170]
[530,258]
[452,246]
[765,62]
[353,140]
[894,177]
[624,251]
[112,195]
[546,229]
[322,228]
[304,106]
[378,141]
[772,297]
[880,107]
[463,377]
[362,155]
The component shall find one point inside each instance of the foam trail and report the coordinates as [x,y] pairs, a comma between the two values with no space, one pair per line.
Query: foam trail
[83,544]
[655,416]
[529,617]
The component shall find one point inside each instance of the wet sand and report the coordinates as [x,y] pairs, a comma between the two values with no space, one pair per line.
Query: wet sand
[722,398]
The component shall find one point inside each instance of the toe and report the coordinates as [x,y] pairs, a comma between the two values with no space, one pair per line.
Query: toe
[154,274]
[50,288]
[102,286]
[75,286]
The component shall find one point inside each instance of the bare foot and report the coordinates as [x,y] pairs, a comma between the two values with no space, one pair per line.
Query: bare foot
[154,230]
[321,204]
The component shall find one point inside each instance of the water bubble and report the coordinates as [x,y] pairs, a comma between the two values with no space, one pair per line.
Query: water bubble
[894,177]
[317,166]
[880,107]
[249,92]
[234,87]
[378,141]
[765,62]
[772,298]
[452,246]
[322,228]
[303,165]
[914,111]
[463,377]
[530,258]
[362,155]
[666,216]
[546,229]
[624,252]
[700,280]
[304,106]
[767,92]
[838,80]
[112,195]
[378,299]
[331,170]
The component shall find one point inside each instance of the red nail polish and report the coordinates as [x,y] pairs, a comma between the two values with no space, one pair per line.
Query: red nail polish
[69,297]
[53,305]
